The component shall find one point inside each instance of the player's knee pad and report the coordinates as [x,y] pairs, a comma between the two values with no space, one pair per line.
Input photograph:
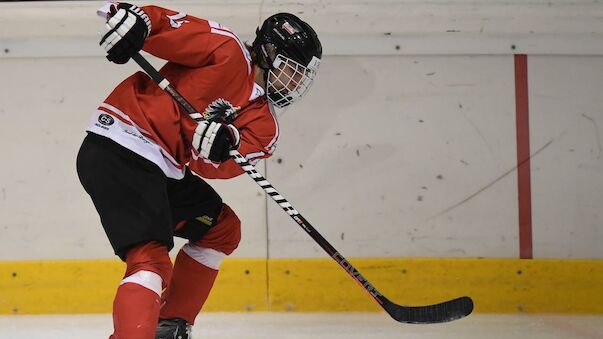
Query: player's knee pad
[148,265]
[225,235]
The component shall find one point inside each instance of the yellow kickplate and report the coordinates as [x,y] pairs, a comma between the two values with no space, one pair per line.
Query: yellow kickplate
[496,285]
[88,286]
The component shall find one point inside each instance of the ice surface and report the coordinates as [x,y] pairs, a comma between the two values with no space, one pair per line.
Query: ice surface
[320,325]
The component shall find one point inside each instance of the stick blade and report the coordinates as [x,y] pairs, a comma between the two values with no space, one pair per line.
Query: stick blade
[430,314]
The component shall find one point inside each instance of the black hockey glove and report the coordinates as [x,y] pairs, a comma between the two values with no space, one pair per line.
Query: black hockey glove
[128,27]
[214,140]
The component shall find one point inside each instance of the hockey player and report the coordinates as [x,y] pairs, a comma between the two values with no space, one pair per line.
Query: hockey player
[143,159]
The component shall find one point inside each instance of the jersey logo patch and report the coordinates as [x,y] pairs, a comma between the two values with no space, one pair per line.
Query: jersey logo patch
[106,119]
[222,110]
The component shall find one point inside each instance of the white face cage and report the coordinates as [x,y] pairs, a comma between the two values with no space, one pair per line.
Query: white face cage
[288,80]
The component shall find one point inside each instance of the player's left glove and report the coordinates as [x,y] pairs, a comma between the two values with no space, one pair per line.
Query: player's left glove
[214,140]
[128,27]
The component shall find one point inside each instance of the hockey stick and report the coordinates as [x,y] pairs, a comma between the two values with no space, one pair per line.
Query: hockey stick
[443,312]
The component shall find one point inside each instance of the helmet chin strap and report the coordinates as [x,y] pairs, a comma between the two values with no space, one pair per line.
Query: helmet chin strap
[270,63]
[266,60]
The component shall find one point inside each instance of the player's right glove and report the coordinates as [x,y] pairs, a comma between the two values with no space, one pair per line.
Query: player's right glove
[214,140]
[128,27]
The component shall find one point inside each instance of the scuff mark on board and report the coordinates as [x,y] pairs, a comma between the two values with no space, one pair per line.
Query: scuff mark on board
[597,136]
[490,184]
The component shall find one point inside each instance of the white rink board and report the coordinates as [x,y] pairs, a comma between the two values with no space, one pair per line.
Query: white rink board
[384,146]
[566,109]
[374,189]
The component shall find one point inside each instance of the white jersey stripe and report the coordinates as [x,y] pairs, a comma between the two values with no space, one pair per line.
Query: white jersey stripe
[219,29]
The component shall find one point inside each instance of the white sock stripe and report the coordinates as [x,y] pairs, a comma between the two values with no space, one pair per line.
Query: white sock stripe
[269,190]
[148,279]
[206,256]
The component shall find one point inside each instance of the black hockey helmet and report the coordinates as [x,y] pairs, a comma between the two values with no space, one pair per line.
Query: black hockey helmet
[290,37]
[289,51]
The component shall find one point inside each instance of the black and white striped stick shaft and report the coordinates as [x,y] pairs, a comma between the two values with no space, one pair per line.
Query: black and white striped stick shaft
[446,311]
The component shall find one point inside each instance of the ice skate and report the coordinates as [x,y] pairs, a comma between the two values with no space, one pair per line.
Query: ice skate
[173,329]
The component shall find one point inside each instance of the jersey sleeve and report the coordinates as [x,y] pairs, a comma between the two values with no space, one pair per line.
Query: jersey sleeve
[180,38]
[258,141]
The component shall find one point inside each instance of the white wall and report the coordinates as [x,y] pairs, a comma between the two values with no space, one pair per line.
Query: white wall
[567,110]
[381,155]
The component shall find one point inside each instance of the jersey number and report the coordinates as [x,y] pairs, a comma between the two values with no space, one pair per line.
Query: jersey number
[175,21]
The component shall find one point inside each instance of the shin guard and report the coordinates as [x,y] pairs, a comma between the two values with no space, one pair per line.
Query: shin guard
[196,268]
[137,302]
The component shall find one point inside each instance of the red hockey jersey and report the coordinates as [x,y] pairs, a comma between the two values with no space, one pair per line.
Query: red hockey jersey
[210,66]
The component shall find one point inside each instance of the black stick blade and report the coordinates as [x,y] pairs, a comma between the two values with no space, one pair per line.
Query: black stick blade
[431,314]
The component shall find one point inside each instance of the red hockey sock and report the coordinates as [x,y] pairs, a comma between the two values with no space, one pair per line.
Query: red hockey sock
[135,312]
[137,302]
[188,290]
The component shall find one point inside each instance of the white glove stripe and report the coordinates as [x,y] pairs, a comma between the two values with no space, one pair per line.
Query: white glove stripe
[196,140]
[204,152]
[236,134]
[124,28]
[110,41]
[196,116]
[105,42]
[117,18]
[208,139]
[198,134]
[212,137]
